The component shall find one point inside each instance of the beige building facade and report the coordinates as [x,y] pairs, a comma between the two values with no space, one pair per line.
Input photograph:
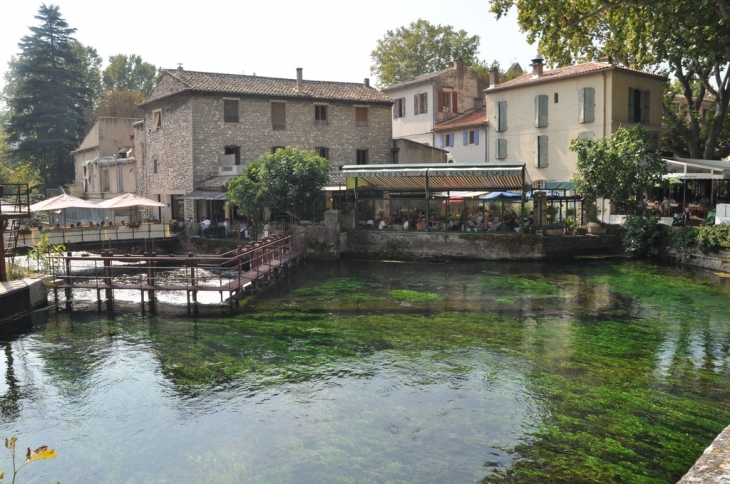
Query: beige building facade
[535,117]
[104,162]
[200,129]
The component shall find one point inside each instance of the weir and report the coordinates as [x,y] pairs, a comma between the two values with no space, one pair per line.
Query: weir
[233,272]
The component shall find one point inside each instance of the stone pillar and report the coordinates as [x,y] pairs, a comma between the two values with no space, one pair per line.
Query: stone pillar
[539,203]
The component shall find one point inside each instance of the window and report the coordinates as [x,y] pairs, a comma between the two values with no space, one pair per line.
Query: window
[420,103]
[322,152]
[274,149]
[278,116]
[362,157]
[399,108]
[448,101]
[471,137]
[541,152]
[230,111]
[157,119]
[236,151]
[361,116]
[586,134]
[555,98]
[639,103]
[501,148]
[154,166]
[320,114]
[586,105]
[105,180]
[500,114]
[120,178]
[446,140]
[541,111]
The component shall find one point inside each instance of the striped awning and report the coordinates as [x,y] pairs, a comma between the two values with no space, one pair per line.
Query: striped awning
[439,176]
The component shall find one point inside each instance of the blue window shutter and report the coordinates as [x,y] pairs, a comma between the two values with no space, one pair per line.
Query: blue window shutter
[476,136]
[647,104]
[451,140]
[631,105]
[466,138]
[441,141]
[590,104]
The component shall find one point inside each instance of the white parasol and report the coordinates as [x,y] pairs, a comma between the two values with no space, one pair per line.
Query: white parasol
[129,200]
[60,202]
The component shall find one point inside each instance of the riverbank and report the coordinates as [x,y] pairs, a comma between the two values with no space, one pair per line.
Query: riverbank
[22,295]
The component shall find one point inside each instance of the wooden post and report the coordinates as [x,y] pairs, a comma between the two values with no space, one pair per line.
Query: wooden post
[192,276]
[68,280]
[108,275]
[3,270]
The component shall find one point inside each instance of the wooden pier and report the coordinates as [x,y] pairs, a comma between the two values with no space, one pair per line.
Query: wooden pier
[234,272]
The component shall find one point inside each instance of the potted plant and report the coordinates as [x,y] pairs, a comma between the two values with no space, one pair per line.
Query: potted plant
[569,225]
[596,228]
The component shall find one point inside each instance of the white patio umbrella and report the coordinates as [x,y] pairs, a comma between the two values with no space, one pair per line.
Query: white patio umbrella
[60,202]
[129,200]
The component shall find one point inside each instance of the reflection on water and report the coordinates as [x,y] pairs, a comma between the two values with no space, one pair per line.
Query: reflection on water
[592,371]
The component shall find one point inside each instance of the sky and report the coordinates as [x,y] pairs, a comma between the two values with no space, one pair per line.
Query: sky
[330,39]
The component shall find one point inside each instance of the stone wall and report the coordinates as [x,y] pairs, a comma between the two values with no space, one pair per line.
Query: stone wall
[413,152]
[712,467]
[255,136]
[411,245]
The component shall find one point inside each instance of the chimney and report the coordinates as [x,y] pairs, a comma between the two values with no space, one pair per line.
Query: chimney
[459,67]
[493,77]
[632,64]
[367,82]
[537,65]
[179,69]
[300,82]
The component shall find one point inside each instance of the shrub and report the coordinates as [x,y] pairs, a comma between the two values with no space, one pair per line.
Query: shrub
[645,236]
[713,238]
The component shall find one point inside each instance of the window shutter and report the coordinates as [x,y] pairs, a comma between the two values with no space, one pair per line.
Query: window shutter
[582,105]
[440,96]
[586,134]
[402,107]
[541,152]
[454,103]
[451,140]
[537,112]
[466,138]
[503,116]
[415,104]
[631,105]
[441,141]
[396,108]
[646,107]
[501,145]
[425,102]
[590,105]
[497,115]
[476,136]
[541,104]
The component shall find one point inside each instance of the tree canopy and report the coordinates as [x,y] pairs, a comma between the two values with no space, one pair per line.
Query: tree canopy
[47,94]
[120,104]
[617,168]
[285,180]
[130,73]
[419,49]
[686,39]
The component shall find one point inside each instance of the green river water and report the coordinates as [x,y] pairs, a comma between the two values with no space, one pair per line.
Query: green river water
[371,372]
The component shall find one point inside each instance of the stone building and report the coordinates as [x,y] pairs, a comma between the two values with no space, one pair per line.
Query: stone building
[432,99]
[533,118]
[201,128]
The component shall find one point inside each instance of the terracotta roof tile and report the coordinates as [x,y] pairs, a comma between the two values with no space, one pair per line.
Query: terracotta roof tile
[476,117]
[235,84]
[560,73]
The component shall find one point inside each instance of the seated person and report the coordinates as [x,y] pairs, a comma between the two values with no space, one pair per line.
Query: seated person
[384,223]
[471,225]
[405,224]
[419,225]
[369,224]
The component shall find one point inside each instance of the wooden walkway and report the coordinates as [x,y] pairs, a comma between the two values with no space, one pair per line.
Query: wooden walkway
[233,272]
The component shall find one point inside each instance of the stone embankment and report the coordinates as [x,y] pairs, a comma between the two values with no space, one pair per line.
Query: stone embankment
[22,295]
[714,466]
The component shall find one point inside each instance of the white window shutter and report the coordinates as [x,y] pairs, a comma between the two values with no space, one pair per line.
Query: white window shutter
[582,105]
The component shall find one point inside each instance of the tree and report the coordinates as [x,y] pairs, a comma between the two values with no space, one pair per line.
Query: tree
[617,168]
[120,104]
[419,49]
[130,73]
[284,180]
[686,39]
[46,95]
